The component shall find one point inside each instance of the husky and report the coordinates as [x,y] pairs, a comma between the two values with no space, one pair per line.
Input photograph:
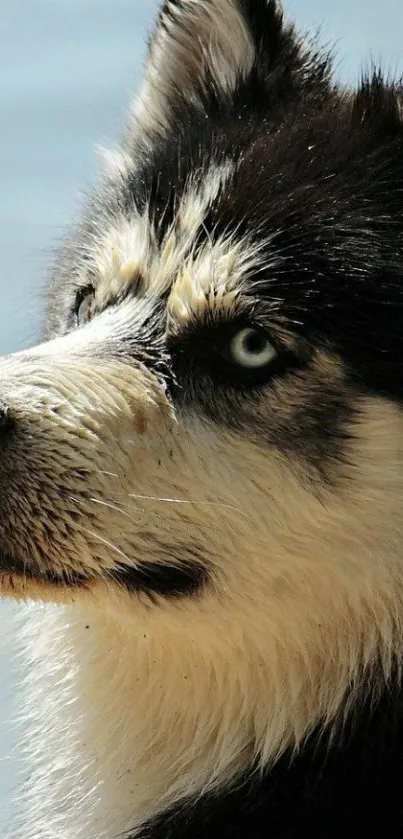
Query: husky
[202,461]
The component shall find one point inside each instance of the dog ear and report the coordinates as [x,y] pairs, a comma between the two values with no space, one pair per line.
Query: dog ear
[205,51]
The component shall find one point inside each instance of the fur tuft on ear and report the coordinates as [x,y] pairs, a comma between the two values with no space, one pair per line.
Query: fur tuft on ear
[379,106]
[208,50]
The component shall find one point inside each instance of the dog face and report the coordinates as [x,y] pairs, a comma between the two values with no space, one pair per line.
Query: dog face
[210,437]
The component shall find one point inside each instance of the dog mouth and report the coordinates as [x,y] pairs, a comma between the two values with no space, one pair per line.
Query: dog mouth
[168,580]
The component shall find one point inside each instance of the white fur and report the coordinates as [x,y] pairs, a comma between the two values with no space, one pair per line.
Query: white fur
[199,38]
[116,163]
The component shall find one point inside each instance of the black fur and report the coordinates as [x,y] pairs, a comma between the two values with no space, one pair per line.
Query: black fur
[352,790]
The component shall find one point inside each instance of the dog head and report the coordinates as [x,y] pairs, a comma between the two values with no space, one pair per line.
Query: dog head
[210,436]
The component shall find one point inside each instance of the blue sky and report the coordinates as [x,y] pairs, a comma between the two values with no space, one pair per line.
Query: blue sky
[360,28]
[66,71]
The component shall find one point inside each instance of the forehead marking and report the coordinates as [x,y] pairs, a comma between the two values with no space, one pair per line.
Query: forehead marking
[129,254]
[199,197]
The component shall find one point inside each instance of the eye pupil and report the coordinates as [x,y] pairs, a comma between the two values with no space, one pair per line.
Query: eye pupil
[254,342]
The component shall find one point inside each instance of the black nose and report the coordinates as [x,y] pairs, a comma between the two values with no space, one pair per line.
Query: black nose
[5,419]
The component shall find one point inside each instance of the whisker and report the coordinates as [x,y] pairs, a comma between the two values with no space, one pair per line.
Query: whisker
[168,500]
[124,512]
[111,506]
[108,545]
[117,508]
[197,501]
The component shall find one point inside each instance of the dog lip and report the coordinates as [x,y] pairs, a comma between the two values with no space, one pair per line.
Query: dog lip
[15,567]
[147,577]
[167,580]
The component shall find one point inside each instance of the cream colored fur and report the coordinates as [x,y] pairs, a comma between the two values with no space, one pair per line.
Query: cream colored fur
[139,703]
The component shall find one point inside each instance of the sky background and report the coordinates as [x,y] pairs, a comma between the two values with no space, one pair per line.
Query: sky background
[67,69]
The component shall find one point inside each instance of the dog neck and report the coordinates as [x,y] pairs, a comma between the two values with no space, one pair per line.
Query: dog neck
[141,716]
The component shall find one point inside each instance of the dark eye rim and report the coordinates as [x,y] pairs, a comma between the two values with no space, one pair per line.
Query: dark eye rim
[81,295]
[214,338]
[201,351]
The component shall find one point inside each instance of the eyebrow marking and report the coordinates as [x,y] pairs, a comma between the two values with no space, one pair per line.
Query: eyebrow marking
[212,280]
[128,254]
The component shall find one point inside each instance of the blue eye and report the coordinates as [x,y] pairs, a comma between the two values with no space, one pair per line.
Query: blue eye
[250,348]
